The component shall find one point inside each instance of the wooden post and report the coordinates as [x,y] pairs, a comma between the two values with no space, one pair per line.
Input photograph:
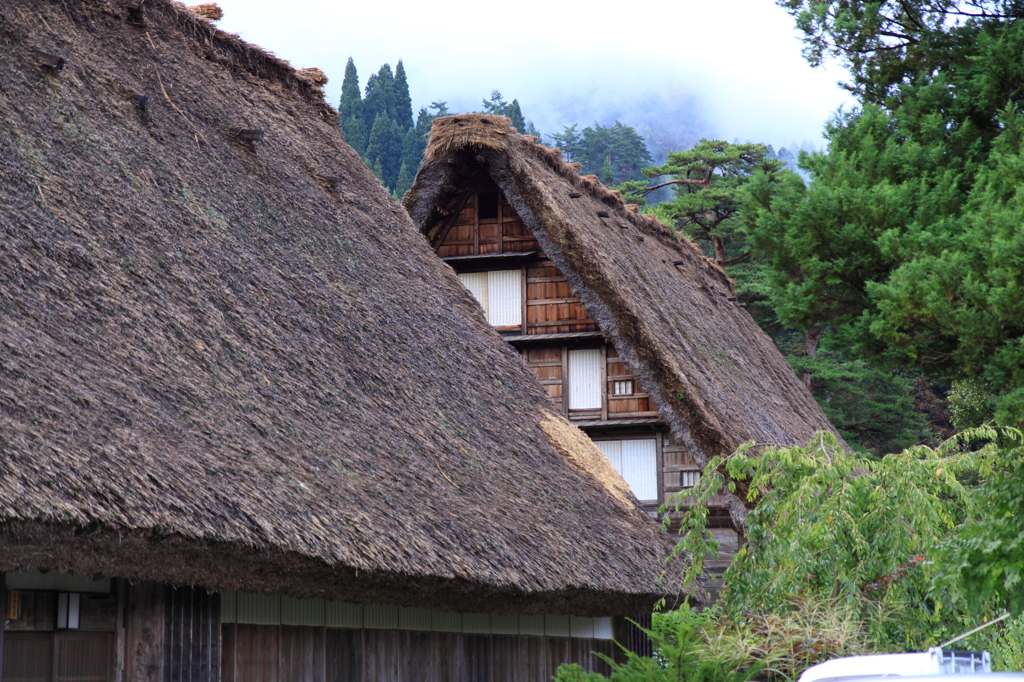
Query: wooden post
[565,381]
[525,309]
[3,623]
[476,225]
[604,382]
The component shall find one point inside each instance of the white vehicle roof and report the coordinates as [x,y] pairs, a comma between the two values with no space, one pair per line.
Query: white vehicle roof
[935,661]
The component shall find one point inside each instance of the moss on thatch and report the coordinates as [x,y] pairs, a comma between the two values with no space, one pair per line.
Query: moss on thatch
[671,313]
[234,363]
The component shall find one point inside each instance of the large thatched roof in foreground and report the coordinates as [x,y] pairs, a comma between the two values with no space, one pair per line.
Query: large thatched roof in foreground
[672,314]
[218,368]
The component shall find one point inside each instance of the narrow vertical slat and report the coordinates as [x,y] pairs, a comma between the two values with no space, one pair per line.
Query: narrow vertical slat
[229,653]
[557,653]
[477,657]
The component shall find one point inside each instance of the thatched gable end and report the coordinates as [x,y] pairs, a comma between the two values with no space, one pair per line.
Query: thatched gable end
[239,366]
[671,313]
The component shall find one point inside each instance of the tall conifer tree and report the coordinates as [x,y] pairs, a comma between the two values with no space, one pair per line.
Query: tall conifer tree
[380,96]
[376,146]
[350,109]
[515,113]
[403,102]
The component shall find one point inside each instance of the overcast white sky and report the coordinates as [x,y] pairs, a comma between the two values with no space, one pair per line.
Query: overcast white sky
[723,68]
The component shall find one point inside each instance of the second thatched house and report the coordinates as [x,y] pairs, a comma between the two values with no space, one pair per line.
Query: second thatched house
[636,336]
[251,429]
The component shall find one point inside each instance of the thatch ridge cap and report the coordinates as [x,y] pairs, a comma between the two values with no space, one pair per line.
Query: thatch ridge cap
[254,59]
[450,134]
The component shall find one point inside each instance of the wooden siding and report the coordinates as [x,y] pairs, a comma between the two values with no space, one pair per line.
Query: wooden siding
[550,363]
[267,653]
[551,306]
[469,235]
[678,461]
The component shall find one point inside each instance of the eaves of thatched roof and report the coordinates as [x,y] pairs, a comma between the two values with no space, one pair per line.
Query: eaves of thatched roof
[671,313]
[236,363]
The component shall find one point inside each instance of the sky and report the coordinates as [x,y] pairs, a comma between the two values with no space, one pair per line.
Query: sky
[674,69]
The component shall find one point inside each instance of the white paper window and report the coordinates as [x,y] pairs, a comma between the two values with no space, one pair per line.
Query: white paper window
[689,479]
[622,388]
[500,293]
[585,379]
[637,462]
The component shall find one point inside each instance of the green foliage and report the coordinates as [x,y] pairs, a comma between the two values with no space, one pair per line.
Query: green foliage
[887,44]
[498,106]
[970,403]
[921,543]
[983,564]
[685,643]
[710,645]
[515,114]
[870,409]
[616,152]
[707,181]
[380,97]
[906,245]
[350,110]
[403,102]
[404,182]
[832,525]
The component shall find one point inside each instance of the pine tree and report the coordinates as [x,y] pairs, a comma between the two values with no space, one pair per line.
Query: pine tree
[404,182]
[403,102]
[412,152]
[380,97]
[378,170]
[495,105]
[350,109]
[376,146]
[391,159]
[516,115]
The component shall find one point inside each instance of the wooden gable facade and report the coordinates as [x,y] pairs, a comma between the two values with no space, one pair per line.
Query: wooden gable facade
[529,301]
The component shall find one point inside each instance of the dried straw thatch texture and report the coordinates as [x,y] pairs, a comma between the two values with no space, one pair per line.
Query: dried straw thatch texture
[207,10]
[238,365]
[671,313]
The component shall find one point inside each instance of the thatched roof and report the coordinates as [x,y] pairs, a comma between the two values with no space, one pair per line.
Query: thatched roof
[671,313]
[236,363]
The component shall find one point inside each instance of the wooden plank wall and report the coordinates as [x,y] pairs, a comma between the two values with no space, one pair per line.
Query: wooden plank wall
[470,236]
[548,362]
[170,634]
[551,306]
[271,653]
[192,635]
[637,404]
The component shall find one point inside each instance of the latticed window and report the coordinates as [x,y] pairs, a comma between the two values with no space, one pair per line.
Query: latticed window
[623,387]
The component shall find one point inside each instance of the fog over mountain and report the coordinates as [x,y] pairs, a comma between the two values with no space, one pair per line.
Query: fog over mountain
[685,69]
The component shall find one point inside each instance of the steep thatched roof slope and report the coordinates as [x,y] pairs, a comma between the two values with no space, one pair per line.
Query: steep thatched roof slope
[218,367]
[671,313]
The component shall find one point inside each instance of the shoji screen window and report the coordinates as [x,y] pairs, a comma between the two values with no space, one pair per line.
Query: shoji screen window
[500,292]
[585,379]
[637,461]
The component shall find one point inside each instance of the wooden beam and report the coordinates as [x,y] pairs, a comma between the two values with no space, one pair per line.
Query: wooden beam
[3,610]
[476,224]
[565,381]
[604,381]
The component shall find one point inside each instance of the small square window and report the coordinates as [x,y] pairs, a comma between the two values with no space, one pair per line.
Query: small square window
[689,479]
[623,387]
